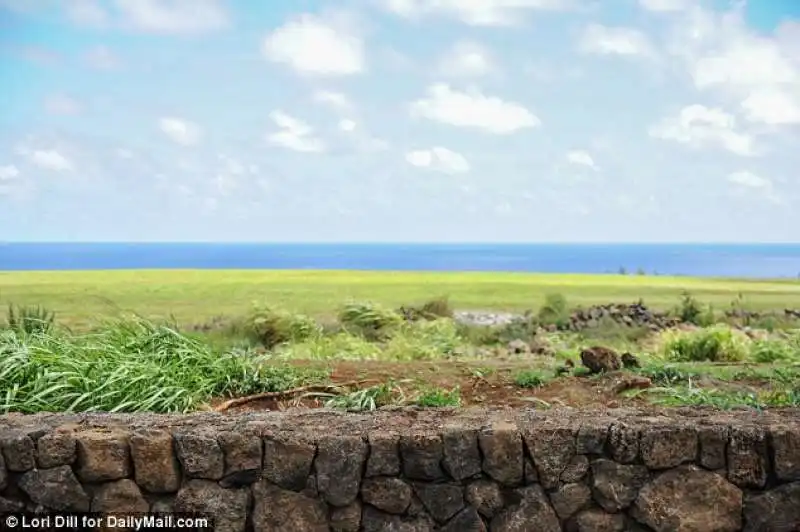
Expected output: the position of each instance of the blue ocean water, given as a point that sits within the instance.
(724, 260)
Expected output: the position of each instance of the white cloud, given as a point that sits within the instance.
(466, 59)
(723, 55)
(772, 106)
(102, 58)
(475, 12)
(472, 109)
(337, 100)
(180, 131)
(295, 134)
(313, 46)
(347, 125)
(174, 17)
(439, 159)
(87, 13)
(581, 158)
(604, 40)
(667, 5)
(49, 160)
(700, 127)
(749, 179)
(60, 104)
(8, 172)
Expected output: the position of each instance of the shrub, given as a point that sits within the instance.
(715, 344)
(271, 327)
(691, 311)
(30, 319)
(768, 351)
(429, 340)
(430, 310)
(554, 311)
(369, 320)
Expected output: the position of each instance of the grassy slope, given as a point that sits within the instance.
(196, 295)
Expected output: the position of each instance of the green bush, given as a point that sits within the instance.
(369, 320)
(715, 344)
(691, 311)
(554, 311)
(272, 327)
(768, 351)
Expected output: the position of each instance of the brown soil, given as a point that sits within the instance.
(485, 385)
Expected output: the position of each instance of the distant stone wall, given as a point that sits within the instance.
(417, 470)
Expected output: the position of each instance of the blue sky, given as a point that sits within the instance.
(400, 120)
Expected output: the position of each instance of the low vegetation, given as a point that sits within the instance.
(369, 355)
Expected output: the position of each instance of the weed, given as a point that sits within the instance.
(366, 399)
(531, 379)
(668, 375)
(438, 397)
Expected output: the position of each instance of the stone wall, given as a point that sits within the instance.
(416, 470)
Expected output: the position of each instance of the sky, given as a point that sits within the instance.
(400, 120)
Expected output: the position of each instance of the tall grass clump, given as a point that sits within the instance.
(554, 311)
(272, 327)
(369, 320)
(714, 344)
(30, 319)
(423, 340)
(126, 366)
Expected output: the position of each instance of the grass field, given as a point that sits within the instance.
(367, 352)
(193, 296)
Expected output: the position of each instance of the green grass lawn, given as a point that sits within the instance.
(191, 296)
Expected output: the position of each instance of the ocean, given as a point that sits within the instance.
(714, 260)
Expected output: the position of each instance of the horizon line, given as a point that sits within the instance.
(399, 243)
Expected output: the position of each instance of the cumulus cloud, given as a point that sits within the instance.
(472, 109)
(48, 159)
(475, 13)
(466, 59)
(313, 46)
(666, 6)
(604, 40)
(174, 17)
(294, 134)
(438, 159)
(581, 158)
(749, 179)
(702, 127)
(8, 172)
(724, 56)
(336, 100)
(180, 131)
